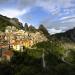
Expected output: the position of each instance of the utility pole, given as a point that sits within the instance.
(43, 60)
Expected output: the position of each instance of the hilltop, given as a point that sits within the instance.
(5, 21)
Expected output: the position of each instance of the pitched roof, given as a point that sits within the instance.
(7, 52)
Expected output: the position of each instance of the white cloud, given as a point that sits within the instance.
(49, 5)
(13, 12)
(72, 20)
(67, 17)
(52, 6)
(21, 4)
(62, 24)
(53, 31)
(65, 3)
(3, 1)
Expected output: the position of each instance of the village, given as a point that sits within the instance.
(17, 40)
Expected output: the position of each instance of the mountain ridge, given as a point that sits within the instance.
(5, 21)
(69, 35)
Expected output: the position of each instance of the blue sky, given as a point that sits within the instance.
(56, 15)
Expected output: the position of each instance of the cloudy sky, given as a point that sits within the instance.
(56, 15)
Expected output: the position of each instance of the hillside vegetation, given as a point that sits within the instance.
(5, 21)
(56, 56)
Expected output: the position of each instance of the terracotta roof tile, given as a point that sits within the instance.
(8, 52)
